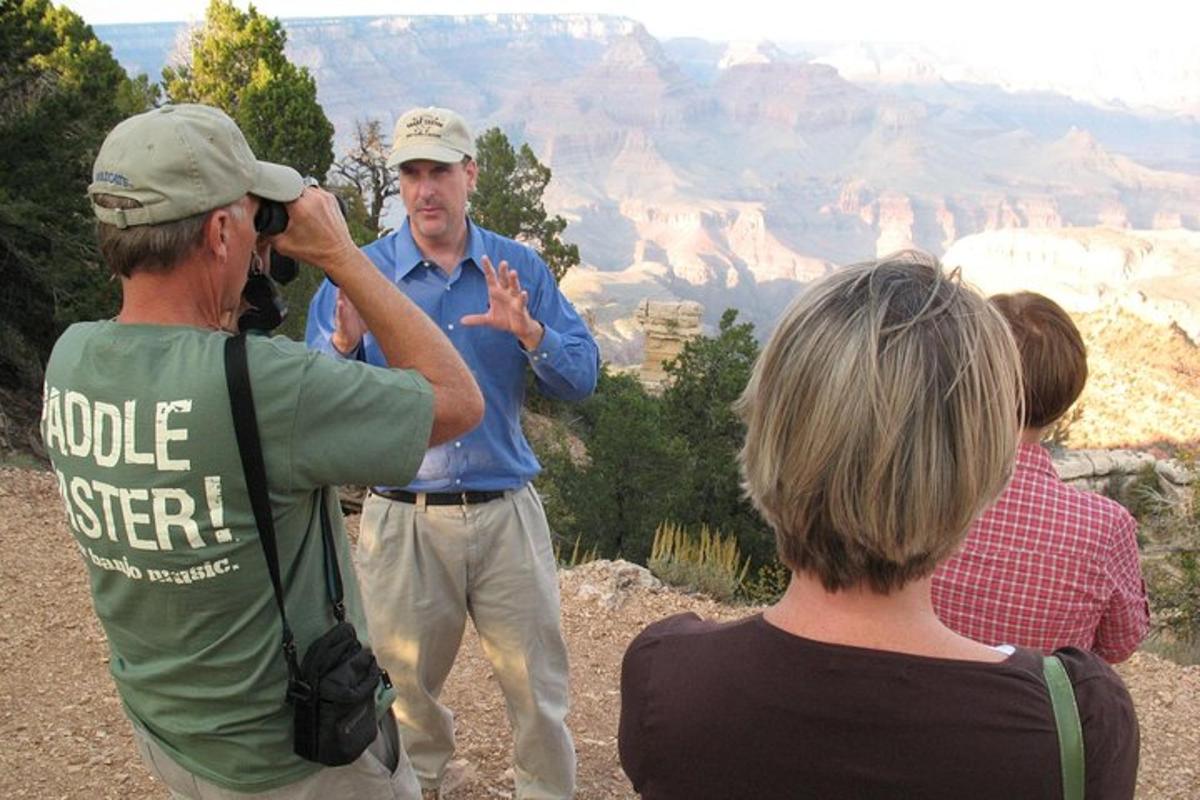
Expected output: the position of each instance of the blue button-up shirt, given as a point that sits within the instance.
(494, 455)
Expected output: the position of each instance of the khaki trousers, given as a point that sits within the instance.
(380, 773)
(423, 570)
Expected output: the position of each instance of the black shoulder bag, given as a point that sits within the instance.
(333, 689)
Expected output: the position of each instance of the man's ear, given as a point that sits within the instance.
(472, 170)
(217, 232)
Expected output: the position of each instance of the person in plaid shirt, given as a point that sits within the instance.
(1047, 566)
(881, 418)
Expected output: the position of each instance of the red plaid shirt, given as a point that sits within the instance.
(1046, 567)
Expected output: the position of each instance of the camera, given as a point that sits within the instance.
(271, 219)
(267, 306)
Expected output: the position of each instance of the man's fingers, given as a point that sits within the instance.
(506, 276)
(474, 319)
(489, 272)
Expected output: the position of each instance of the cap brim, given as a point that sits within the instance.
(277, 182)
(426, 152)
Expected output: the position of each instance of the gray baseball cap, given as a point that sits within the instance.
(431, 134)
(182, 160)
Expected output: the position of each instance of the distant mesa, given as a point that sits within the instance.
(751, 52)
(733, 174)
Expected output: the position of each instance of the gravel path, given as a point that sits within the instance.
(65, 737)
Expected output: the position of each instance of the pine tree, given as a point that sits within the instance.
(632, 478)
(705, 381)
(237, 63)
(61, 91)
(508, 200)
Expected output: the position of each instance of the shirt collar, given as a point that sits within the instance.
(475, 251)
(408, 255)
(1036, 458)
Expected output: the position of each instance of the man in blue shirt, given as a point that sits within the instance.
(469, 535)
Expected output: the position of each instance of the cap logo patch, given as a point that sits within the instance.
(424, 125)
(114, 178)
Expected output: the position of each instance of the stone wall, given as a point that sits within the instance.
(1106, 470)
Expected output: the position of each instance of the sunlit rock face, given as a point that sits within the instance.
(732, 174)
(1153, 275)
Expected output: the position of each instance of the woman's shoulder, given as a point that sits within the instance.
(688, 633)
(1100, 694)
(689, 625)
(1087, 668)
(1110, 726)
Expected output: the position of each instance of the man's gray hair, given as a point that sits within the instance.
(154, 248)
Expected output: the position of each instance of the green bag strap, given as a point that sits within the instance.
(1066, 719)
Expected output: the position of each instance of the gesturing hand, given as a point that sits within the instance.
(348, 326)
(507, 306)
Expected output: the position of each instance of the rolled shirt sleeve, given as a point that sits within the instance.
(567, 361)
(1126, 618)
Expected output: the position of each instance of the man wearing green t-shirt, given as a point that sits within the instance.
(137, 421)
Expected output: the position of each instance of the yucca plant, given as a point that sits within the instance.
(708, 563)
(578, 556)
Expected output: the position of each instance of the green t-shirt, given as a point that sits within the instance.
(137, 422)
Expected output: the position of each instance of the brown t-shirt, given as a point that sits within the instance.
(746, 710)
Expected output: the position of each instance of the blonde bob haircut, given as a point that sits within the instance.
(882, 417)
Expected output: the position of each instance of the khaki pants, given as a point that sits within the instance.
(423, 570)
(380, 773)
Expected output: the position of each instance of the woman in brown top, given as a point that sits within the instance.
(882, 417)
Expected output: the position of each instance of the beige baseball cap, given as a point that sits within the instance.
(431, 134)
(182, 160)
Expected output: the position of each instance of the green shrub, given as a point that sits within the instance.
(1173, 583)
(627, 480)
(767, 585)
(1141, 495)
(1171, 565)
(707, 377)
(710, 563)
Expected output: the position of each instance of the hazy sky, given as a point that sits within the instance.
(1061, 23)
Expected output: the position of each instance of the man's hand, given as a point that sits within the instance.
(507, 306)
(348, 326)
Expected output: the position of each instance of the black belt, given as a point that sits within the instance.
(439, 498)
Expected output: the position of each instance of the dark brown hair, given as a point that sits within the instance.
(1053, 357)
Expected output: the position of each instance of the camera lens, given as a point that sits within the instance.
(271, 218)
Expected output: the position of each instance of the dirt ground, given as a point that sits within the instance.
(1143, 386)
(64, 735)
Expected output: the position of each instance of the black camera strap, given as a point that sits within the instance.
(245, 425)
